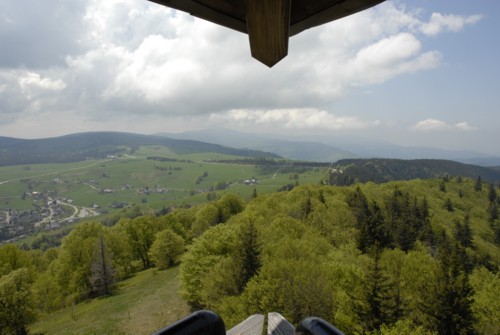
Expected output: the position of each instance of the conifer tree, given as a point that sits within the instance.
(449, 304)
(492, 193)
(248, 252)
(373, 232)
(377, 308)
(102, 273)
(478, 186)
(463, 232)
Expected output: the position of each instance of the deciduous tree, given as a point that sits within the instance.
(166, 249)
(16, 302)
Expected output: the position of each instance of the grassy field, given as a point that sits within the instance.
(127, 178)
(143, 304)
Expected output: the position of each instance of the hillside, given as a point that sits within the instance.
(41, 197)
(142, 304)
(383, 170)
(352, 255)
(94, 145)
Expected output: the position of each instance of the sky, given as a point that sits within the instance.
(409, 72)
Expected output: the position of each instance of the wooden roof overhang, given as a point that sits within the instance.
(269, 23)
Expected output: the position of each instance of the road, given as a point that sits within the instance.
(78, 212)
(56, 172)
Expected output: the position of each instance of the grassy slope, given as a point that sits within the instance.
(82, 181)
(149, 301)
(143, 304)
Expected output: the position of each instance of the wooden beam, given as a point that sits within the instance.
(278, 325)
(253, 325)
(206, 13)
(336, 11)
(268, 24)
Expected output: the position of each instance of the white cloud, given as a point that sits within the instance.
(464, 126)
(437, 125)
(389, 57)
(439, 23)
(32, 80)
(296, 118)
(135, 59)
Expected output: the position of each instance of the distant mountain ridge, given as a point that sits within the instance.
(81, 146)
(383, 170)
(296, 150)
(330, 147)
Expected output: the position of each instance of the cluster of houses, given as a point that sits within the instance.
(18, 223)
(251, 181)
(144, 190)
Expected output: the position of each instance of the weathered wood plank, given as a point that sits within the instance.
(253, 325)
(268, 24)
(278, 325)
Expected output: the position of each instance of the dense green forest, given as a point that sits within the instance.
(412, 257)
(381, 170)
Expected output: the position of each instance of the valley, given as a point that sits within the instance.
(43, 197)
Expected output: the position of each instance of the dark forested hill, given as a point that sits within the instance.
(383, 170)
(77, 147)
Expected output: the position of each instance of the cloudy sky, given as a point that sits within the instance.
(410, 72)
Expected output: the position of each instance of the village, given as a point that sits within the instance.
(48, 213)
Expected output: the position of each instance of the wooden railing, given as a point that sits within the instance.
(208, 323)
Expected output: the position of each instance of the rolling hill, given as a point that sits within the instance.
(383, 170)
(92, 145)
(328, 147)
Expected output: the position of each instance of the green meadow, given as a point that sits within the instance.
(142, 304)
(135, 179)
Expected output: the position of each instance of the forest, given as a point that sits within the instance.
(407, 257)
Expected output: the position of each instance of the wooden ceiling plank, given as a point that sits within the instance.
(268, 26)
(206, 13)
(334, 12)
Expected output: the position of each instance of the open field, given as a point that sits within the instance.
(137, 179)
(142, 304)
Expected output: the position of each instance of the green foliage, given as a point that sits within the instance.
(102, 272)
(12, 258)
(85, 268)
(404, 327)
(166, 249)
(478, 186)
(376, 308)
(206, 217)
(463, 232)
(144, 303)
(200, 263)
(370, 258)
(492, 193)
(383, 170)
(140, 233)
(230, 204)
(402, 265)
(16, 302)
(248, 251)
(449, 303)
(217, 212)
(48, 291)
(486, 305)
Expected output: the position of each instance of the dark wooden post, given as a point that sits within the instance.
(268, 26)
